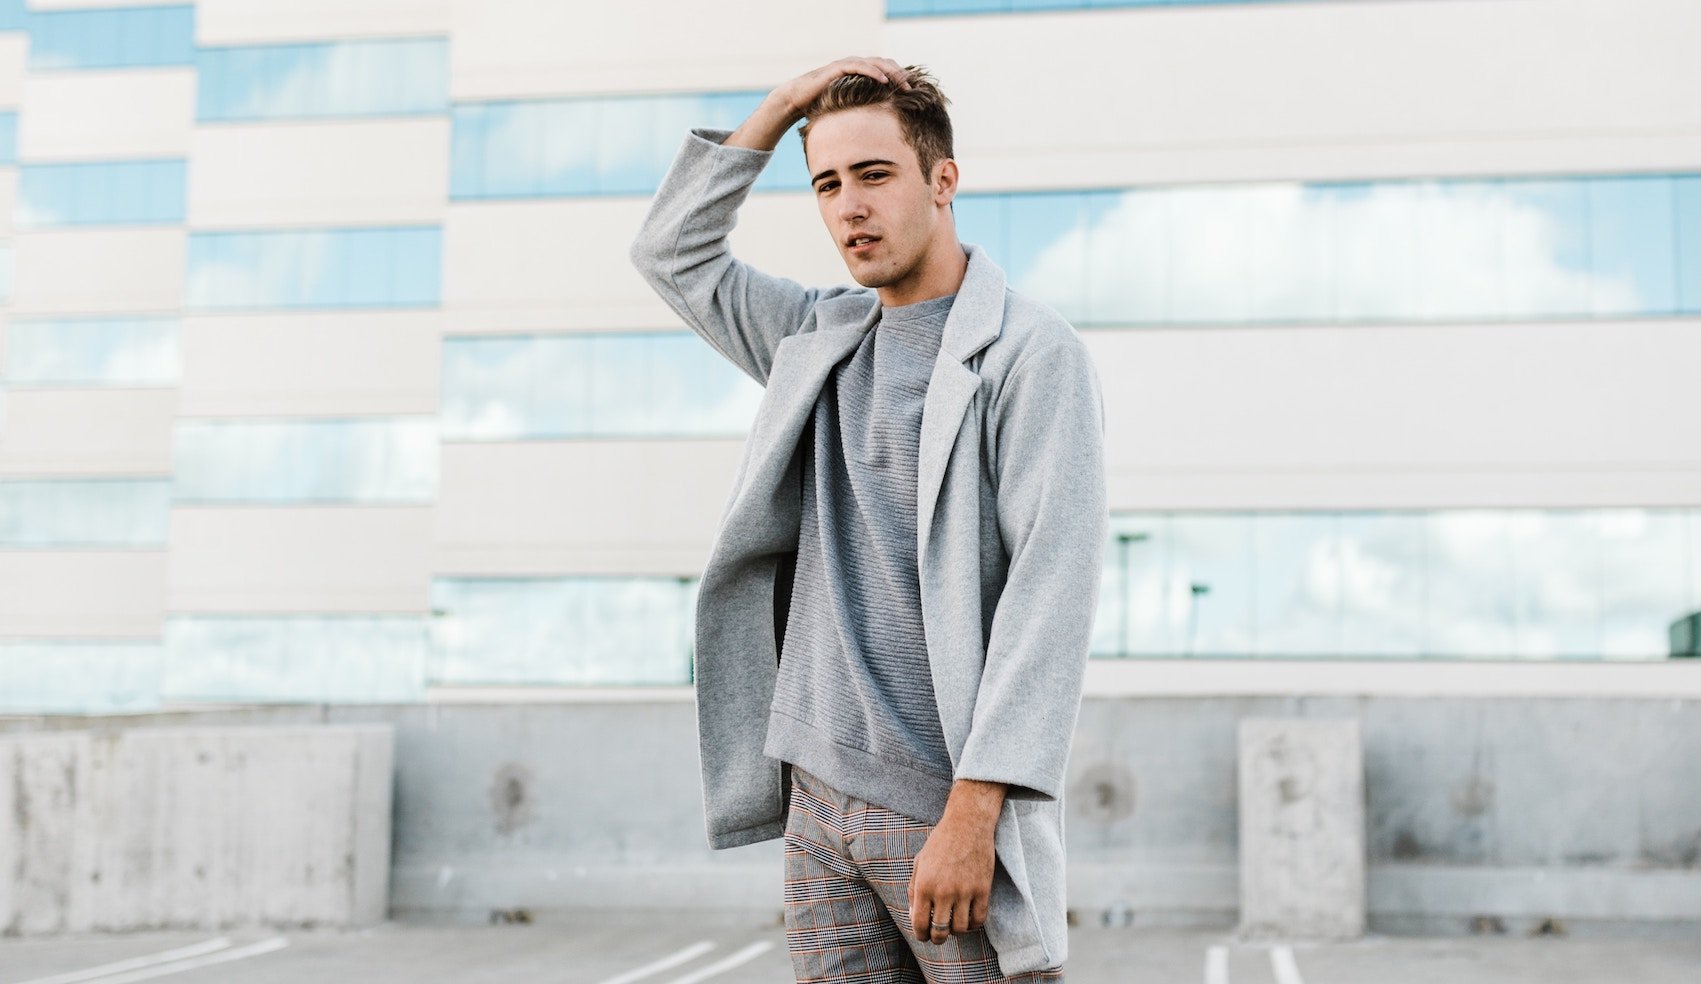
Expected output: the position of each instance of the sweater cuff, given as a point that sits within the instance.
(716, 136)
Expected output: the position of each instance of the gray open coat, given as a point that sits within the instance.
(1011, 526)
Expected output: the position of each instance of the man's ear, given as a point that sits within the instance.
(944, 181)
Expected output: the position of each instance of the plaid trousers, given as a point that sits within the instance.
(848, 865)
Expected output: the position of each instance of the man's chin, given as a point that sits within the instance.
(869, 278)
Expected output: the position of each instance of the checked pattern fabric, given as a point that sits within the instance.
(848, 865)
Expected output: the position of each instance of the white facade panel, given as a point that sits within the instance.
(14, 56)
(785, 235)
(300, 558)
(348, 172)
(54, 431)
(1292, 90)
(107, 114)
(1149, 678)
(318, 363)
(1421, 416)
(536, 264)
(514, 263)
(534, 47)
(82, 594)
(8, 198)
(582, 507)
(99, 270)
(219, 22)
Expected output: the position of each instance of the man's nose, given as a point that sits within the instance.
(851, 206)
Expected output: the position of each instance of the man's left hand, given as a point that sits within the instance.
(952, 879)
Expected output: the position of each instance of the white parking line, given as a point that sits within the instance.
(1282, 962)
(1216, 965)
(743, 956)
(252, 950)
(164, 956)
(671, 960)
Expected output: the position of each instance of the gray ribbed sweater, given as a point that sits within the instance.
(853, 702)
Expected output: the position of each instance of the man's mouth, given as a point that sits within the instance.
(861, 244)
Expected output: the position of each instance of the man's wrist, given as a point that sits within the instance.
(767, 126)
(976, 802)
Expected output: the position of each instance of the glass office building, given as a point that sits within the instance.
(324, 375)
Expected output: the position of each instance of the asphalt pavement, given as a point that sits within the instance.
(686, 948)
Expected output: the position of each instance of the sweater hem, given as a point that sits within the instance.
(893, 783)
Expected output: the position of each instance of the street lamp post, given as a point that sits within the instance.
(1122, 542)
(1196, 589)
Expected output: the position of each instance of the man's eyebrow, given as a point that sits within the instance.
(857, 166)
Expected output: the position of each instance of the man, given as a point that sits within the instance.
(894, 622)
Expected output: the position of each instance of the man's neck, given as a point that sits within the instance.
(937, 280)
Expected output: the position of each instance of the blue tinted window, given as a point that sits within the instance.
(342, 78)
(103, 192)
(1501, 249)
(123, 37)
(13, 16)
(1600, 584)
(84, 512)
(349, 460)
(9, 137)
(1459, 266)
(1047, 249)
(592, 384)
(132, 351)
(1632, 226)
(1544, 227)
(939, 8)
(1437, 584)
(333, 658)
(79, 676)
(329, 268)
(563, 630)
(604, 145)
(1686, 196)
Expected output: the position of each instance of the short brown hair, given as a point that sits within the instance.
(920, 110)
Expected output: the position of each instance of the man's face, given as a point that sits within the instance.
(868, 184)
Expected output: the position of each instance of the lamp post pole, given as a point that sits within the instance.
(1196, 590)
(1122, 542)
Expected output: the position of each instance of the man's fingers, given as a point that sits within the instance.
(960, 916)
(873, 66)
(942, 913)
(977, 913)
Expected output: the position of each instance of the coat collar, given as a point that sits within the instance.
(842, 321)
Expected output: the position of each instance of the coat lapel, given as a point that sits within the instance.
(977, 316)
(802, 362)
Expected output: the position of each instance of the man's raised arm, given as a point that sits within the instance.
(681, 248)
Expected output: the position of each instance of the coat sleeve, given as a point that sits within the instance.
(681, 250)
(1052, 518)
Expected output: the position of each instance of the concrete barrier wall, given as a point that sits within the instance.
(1301, 829)
(136, 827)
(1586, 811)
